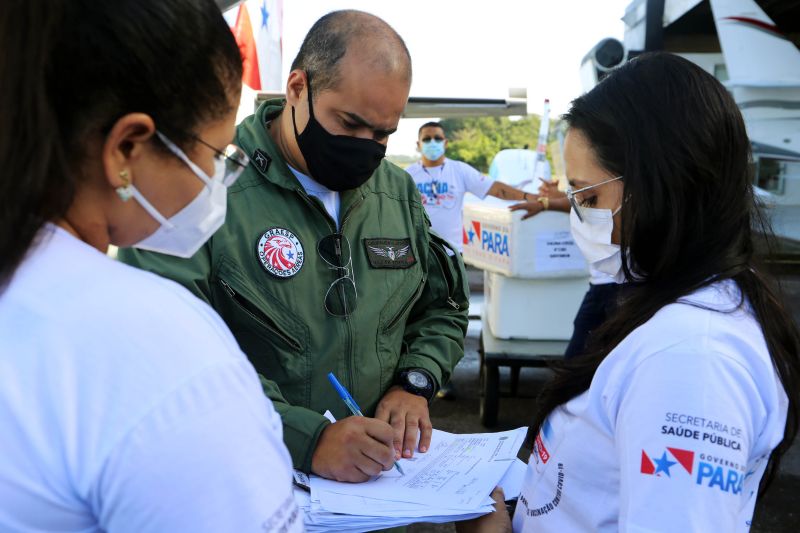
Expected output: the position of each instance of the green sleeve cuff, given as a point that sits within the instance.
(301, 427)
(301, 431)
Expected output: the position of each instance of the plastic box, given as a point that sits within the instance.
(532, 309)
(498, 240)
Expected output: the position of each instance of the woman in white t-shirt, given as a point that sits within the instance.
(125, 403)
(677, 417)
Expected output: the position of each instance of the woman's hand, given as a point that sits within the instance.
(496, 522)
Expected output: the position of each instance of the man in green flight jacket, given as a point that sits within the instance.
(326, 262)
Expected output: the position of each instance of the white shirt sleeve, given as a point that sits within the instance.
(685, 424)
(208, 458)
(475, 182)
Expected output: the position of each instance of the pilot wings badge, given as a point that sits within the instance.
(390, 253)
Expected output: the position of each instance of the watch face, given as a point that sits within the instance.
(417, 379)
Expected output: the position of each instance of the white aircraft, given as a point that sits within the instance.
(738, 43)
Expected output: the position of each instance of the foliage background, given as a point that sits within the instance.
(476, 140)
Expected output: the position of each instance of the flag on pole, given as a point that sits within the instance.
(258, 29)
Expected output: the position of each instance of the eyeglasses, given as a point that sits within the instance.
(576, 202)
(341, 296)
(436, 138)
(235, 160)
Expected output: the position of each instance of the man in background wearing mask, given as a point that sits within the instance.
(326, 263)
(443, 182)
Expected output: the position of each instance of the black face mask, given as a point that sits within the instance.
(338, 162)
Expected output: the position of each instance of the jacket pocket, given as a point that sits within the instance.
(405, 308)
(268, 331)
(456, 291)
(259, 317)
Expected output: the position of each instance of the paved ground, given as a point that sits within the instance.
(778, 512)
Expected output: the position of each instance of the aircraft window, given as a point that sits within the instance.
(771, 175)
(721, 72)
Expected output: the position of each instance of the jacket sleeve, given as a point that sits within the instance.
(301, 427)
(436, 328)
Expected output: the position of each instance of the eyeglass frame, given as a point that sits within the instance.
(346, 267)
(575, 204)
(235, 152)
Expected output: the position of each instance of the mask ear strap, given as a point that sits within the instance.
(310, 106)
(149, 207)
(183, 157)
(617, 210)
(310, 96)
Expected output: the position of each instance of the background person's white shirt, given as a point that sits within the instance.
(442, 189)
(127, 406)
(673, 434)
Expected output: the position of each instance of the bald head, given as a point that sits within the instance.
(361, 37)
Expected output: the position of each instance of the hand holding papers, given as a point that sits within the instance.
(451, 482)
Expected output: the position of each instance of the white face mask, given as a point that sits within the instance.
(593, 237)
(187, 230)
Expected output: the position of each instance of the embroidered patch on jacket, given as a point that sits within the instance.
(390, 253)
(261, 160)
(280, 252)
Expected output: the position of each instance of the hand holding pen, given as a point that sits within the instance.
(351, 404)
(354, 449)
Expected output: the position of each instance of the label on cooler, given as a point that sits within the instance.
(557, 251)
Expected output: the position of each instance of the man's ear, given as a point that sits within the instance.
(296, 87)
(124, 145)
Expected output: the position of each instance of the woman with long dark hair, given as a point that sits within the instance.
(125, 403)
(688, 396)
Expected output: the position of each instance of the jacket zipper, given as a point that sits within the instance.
(349, 333)
(414, 297)
(450, 291)
(260, 317)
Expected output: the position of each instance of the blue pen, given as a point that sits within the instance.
(351, 404)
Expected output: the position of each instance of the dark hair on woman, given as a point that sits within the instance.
(678, 138)
(70, 68)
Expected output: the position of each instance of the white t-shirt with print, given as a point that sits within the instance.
(673, 434)
(127, 406)
(442, 189)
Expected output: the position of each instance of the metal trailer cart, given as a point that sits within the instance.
(515, 354)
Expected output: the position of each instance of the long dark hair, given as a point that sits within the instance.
(679, 140)
(70, 68)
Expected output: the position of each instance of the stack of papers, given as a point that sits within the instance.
(452, 481)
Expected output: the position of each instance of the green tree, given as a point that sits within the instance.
(476, 140)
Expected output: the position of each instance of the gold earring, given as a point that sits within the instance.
(125, 191)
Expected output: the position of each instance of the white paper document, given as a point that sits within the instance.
(453, 474)
(512, 480)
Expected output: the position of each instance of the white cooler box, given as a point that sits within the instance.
(532, 309)
(498, 240)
